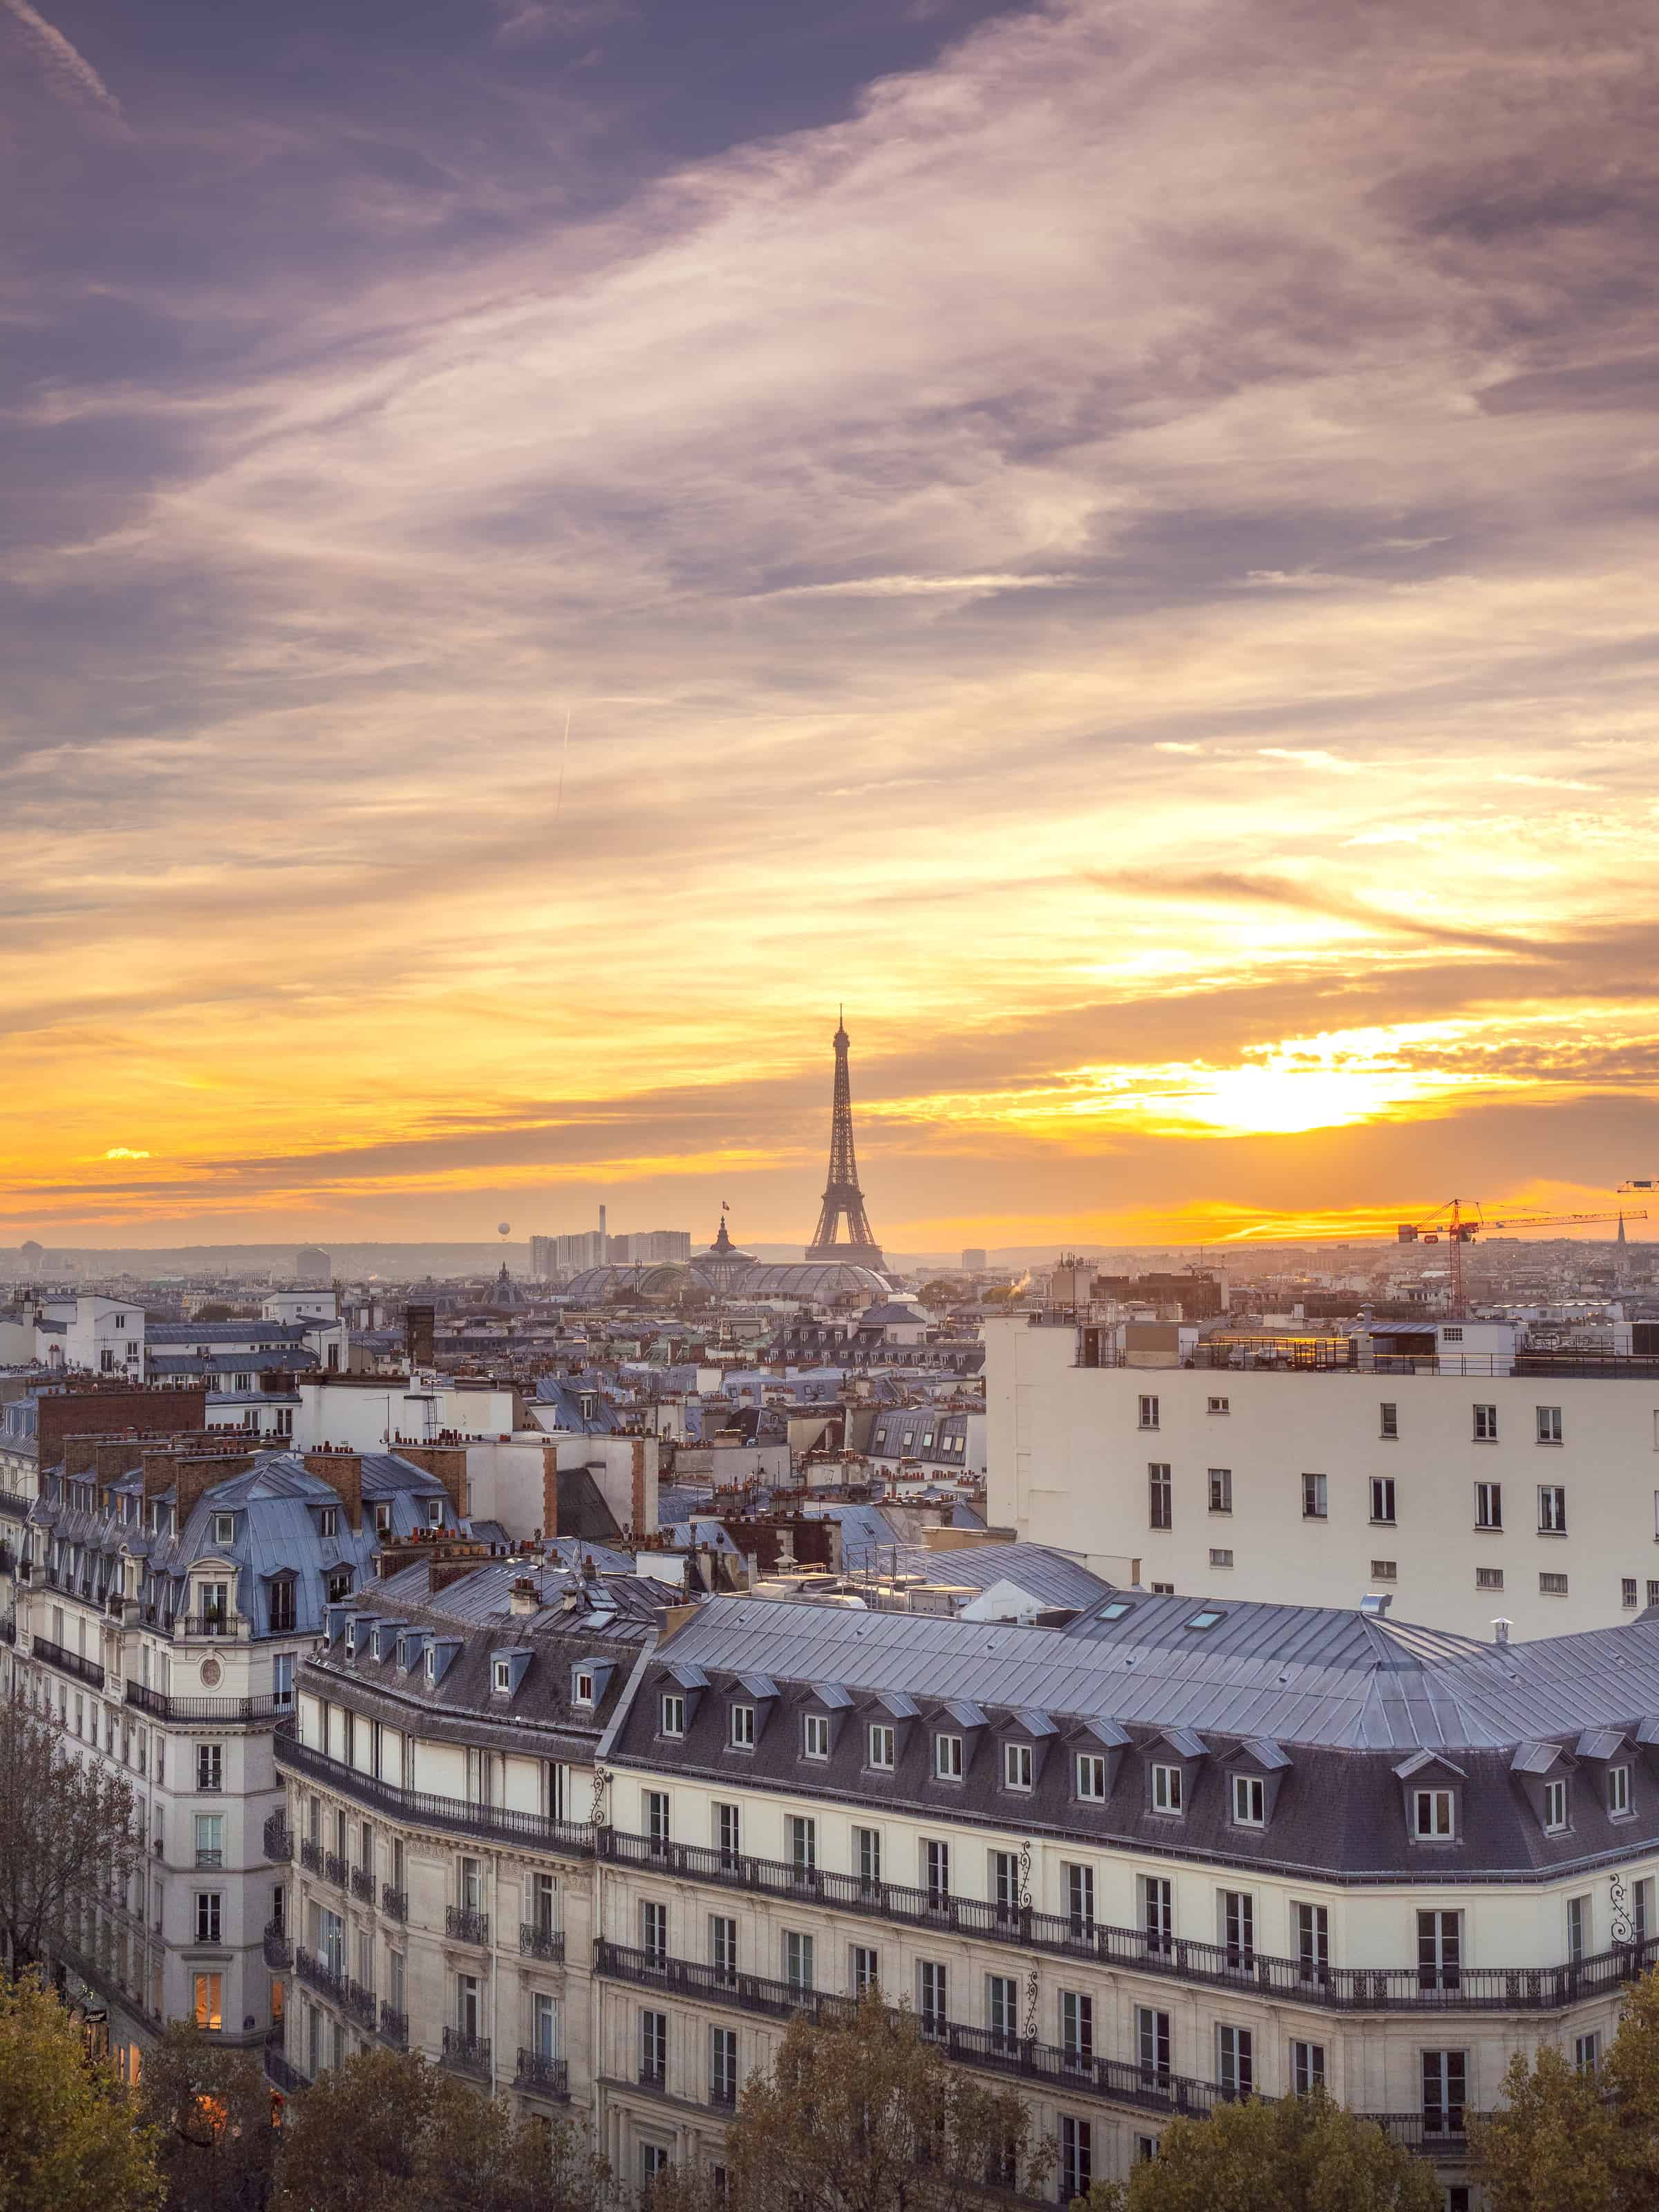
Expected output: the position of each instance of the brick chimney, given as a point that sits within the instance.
(343, 1471)
(550, 1487)
(448, 1463)
(195, 1472)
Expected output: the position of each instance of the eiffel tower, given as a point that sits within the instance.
(841, 1195)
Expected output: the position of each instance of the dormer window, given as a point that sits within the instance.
(882, 1747)
(1618, 1792)
(1091, 1777)
(1017, 1766)
(224, 1527)
(431, 1663)
(582, 1687)
(1431, 1815)
(434, 1512)
(1166, 1789)
(328, 1521)
(816, 1735)
(351, 1638)
(383, 1520)
(339, 1586)
(743, 1728)
(1249, 1802)
(673, 1714)
(1555, 1807)
(947, 1757)
(500, 1676)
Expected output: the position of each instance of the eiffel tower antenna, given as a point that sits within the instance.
(843, 1199)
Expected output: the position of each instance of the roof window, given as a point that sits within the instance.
(1208, 1619)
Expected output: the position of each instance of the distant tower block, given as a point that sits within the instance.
(843, 1199)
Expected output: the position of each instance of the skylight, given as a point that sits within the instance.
(1115, 1611)
(1205, 1620)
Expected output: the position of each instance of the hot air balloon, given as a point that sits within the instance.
(504, 1228)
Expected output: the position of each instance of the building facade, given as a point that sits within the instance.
(1505, 1493)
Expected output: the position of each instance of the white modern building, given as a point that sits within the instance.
(1476, 1488)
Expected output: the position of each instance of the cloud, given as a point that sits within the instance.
(124, 1152)
(70, 74)
(905, 587)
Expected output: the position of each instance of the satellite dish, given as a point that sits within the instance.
(504, 1228)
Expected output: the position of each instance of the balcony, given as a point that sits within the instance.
(463, 1923)
(394, 1902)
(279, 1952)
(1440, 2136)
(422, 1808)
(362, 1883)
(212, 1712)
(279, 1844)
(311, 1857)
(68, 1662)
(468, 2054)
(359, 2003)
(537, 1943)
(335, 1868)
(318, 1973)
(539, 2076)
(393, 2027)
(279, 2071)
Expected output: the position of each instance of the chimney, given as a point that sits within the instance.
(195, 1472)
(343, 1471)
(420, 1323)
(116, 1456)
(448, 1463)
(523, 1597)
(80, 1454)
(1500, 1630)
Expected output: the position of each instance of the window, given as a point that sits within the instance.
(210, 1766)
(207, 1915)
(544, 2026)
(1002, 2010)
(1555, 1807)
(1587, 2051)
(1218, 1406)
(933, 1996)
(1004, 1882)
(1312, 1923)
(863, 1970)
(1618, 1791)
(1628, 1591)
(215, 1608)
(1489, 1578)
(1642, 1921)
(1249, 1802)
(1552, 1585)
(1653, 1592)
(743, 1728)
(1485, 1421)
(224, 1527)
(816, 1743)
(1549, 1425)
(1578, 1930)
(655, 2158)
(1439, 1950)
(1313, 1497)
(947, 1757)
(936, 1870)
(654, 2048)
(728, 1832)
(1017, 1766)
(882, 1747)
(1551, 1510)
(1433, 1814)
(1077, 2157)
(1079, 1896)
(1237, 1916)
(802, 1843)
(867, 1853)
(500, 1675)
(1235, 2061)
(1077, 2025)
(469, 1885)
(799, 1959)
(208, 2003)
(209, 1839)
(1488, 1504)
(1307, 2067)
(654, 1805)
(1148, 1413)
(1220, 1559)
(1221, 1490)
(723, 1945)
(543, 1902)
(1382, 1498)
(1390, 1419)
(281, 1606)
(338, 1589)
(1166, 1789)
(1446, 2073)
(1091, 1777)
(1385, 1570)
(654, 1929)
(581, 1689)
(328, 1521)
(1161, 1505)
(1159, 1589)
(1157, 1912)
(673, 1715)
(722, 2066)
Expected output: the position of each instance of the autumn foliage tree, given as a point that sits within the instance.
(866, 2117)
(67, 1833)
(1305, 2154)
(1563, 2141)
(69, 2140)
(210, 2107)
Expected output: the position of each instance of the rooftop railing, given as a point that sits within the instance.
(214, 1712)
(68, 1662)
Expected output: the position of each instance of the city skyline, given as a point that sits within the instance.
(1115, 542)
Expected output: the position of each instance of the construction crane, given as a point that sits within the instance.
(1459, 1229)
(1640, 1182)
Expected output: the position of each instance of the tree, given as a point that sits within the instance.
(939, 1297)
(867, 2116)
(1306, 2155)
(68, 2137)
(389, 2132)
(209, 2107)
(1569, 2142)
(67, 1833)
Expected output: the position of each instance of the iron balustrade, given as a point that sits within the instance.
(282, 2072)
(279, 1843)
(279, 1952)
(1341, 1989)
(470, 2053)
(394, 1902)
(1429, 2133)
(362, 1883)
(464, 1924)
(320, 1973)
(68, 1662)
(359, 2003)
(394, 2027)
(214, 1712)
(542, 2075)
(536, 1943)
(335, 1869)
(311, 1857)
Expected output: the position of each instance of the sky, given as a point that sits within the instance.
(548, 544)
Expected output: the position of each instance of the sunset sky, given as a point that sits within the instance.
(1117, 540)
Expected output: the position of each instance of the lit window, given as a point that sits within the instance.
(208, 2005)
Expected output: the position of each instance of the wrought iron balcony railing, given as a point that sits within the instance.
(542, 2075)
(463, 1923)
(537, 1943)
(470, 2053)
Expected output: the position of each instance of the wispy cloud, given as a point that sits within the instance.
(69, 72)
